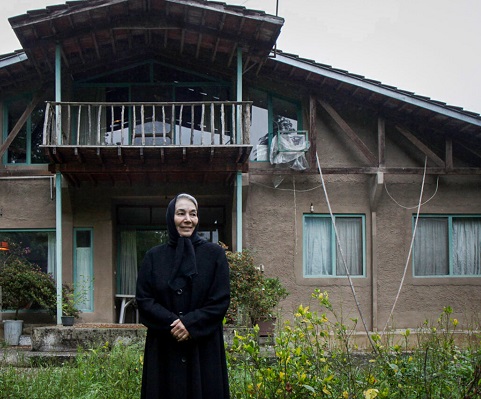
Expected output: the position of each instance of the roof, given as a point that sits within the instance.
(103, 33)
(96, 31)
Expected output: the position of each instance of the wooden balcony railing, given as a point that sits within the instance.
(147, 124)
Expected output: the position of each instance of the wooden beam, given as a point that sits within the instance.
(99, 155)
(449, 153)
(312, 129)
(21, 121)
(78, 155)
(376, 190)
(469, 149)
(381, 141)
(373, 170)
(421, 146)
(349, 131)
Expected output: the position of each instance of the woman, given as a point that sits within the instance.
(183, 295)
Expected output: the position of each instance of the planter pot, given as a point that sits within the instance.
(12, 329)
(68, 320)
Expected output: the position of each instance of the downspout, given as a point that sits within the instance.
(238, 139)
(58, 187)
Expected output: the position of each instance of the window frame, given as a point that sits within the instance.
(270, 98)
(450, 248)
(333, 245)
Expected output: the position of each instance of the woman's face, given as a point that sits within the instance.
(185, 217)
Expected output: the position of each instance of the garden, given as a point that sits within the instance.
(312, 354)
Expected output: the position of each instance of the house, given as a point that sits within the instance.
(112, 107)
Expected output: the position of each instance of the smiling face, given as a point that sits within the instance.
(185, 217)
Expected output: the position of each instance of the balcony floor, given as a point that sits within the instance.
(148, 164)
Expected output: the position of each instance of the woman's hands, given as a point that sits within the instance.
(179, 332)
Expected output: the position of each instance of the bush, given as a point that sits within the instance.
(24, 284)
(253, 296)
(313, 356)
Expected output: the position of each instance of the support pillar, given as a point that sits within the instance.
(239, 173)
(58, 245)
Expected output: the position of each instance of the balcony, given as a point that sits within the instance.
(138, 142)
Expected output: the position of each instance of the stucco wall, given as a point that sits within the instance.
(273, 229)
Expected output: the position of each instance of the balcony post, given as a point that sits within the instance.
(58, 244)
(238, 142)
(58, 93)
(238, 139)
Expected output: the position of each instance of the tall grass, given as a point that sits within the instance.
(103, 373)
(310, 357)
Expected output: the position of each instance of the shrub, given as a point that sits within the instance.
(24, 284)
(253, 296)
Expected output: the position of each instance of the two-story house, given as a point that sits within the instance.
(330, 179)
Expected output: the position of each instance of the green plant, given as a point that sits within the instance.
(23, 284)
(253, 296)
(70, 302)
(266, 298)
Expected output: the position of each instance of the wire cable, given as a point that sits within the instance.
(413, 207)
(353, 290)
(410, 247)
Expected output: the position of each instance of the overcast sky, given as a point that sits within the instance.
(430, 47)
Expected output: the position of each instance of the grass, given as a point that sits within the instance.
(311, 357)
(107, 373)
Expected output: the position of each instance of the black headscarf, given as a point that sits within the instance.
(185, 266)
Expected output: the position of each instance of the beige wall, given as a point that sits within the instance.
(273, 230)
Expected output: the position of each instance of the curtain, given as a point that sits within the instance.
(83, 277)
(318, 246)
(430, 251)
(350, 239)
(128, 263)
(51, 255)
(466, 246)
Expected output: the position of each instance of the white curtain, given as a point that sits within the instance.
(466, 246)
(128, 263)
(430, 251)
(51, 254)
(350, 239)
(83, 278)
(318, 246)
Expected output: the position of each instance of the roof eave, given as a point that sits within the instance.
(378, 88)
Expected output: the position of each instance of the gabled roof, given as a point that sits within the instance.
(98, 35)
(102, 32)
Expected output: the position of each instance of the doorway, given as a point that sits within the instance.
(143, 227)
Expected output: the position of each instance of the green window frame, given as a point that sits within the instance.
(266, 108)
(321, 255)
(83, 268)
(447, 246)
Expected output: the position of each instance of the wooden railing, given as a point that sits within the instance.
(147, 124)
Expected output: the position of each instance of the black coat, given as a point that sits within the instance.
(194, 369)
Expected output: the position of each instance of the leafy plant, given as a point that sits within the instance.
(70, 302)
(23, 284)
(253, 296)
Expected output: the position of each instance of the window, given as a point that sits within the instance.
(83, 269)
(38, 246)
(322, 256)
(25, 148)
(447, 246)
(270, 115)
